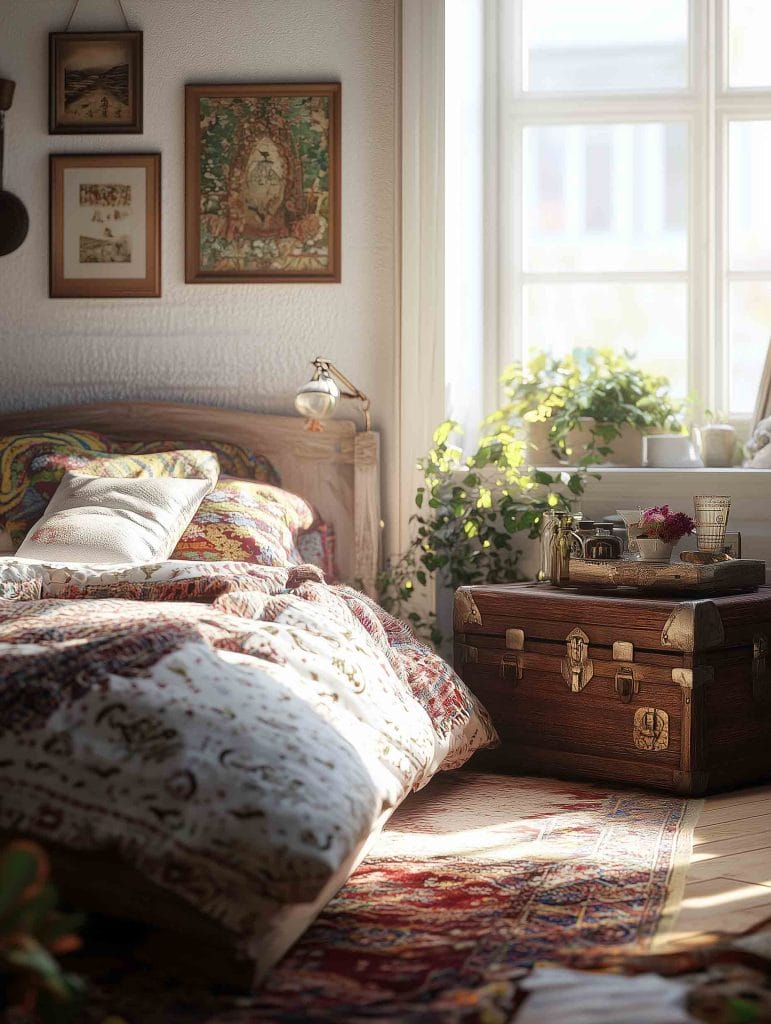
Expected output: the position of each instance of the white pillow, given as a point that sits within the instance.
(104, 520)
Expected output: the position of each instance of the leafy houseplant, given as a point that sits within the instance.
(468, 511)
(32, 934)
(469, 508)
(589, 405)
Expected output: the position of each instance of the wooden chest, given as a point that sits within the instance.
(659, 692)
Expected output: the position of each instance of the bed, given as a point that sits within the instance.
(211, 747)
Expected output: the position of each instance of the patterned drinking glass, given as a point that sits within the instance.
(711, 518)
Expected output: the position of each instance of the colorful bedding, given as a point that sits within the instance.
(33, 464)
(231, 730)
(246, 521)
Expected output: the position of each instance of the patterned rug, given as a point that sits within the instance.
(476, 878)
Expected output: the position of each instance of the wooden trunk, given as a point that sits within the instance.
(659, 692)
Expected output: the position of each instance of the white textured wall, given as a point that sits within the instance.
(244, 346)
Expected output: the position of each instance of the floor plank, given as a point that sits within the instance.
(722, 905)
(728, 829)
(740, 796)
(743, 842)
(728, 884)
(752, 866)
(740, 809)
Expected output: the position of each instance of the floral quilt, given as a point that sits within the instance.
(231, 730)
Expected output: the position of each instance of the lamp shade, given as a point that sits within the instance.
(317, 399)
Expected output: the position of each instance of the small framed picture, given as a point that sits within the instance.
(262, 183)
(95, 83)
(105, 226)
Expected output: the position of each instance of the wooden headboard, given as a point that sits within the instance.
(337, 469)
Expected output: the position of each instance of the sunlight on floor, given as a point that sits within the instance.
(725, 898)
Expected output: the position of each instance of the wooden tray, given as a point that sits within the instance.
(669, 577)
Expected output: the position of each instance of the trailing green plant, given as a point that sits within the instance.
(470, 508)
(468, 512)
(596, 384)
(32, 934)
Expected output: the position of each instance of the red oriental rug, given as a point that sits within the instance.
(475, 878)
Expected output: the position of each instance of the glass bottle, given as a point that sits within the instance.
(585, 529)
(550, 522)
(562, 544)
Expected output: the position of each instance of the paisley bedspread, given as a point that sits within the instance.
(231, 730)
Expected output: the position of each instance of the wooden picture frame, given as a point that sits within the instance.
(95, 83)
(105, 225)
(265, 207)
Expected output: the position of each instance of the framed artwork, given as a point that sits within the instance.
(105, 226)
(95, 83)
(262, 183)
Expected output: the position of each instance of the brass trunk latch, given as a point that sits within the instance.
(577, 668)
(626, 684)
(510, 667)
(760, 675)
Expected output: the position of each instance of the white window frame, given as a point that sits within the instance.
(706, 106)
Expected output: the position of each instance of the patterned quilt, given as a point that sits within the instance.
(231, 730)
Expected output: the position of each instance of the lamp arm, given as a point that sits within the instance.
(347, 388)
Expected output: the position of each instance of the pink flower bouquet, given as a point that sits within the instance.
(660, 524)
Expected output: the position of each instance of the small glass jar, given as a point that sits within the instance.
(585, 529)
(603, 545)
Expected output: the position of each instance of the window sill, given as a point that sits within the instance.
(648, 484)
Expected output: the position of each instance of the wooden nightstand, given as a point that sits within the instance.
(657, 692)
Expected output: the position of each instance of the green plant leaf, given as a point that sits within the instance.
(20, 866)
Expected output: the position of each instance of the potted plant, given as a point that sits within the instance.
(593, 405)
(659, 530)
(469, 509)
(33, 934)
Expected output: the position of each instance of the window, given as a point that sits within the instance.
(630, 156)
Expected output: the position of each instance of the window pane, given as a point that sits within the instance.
(749, 329)
(749, 195)
(605, 197)
(647, 319)
(604, 45)
(749, 27)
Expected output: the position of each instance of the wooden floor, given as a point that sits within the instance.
(728, 885)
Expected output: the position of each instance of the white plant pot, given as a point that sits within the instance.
(626, 448)
(654, 550)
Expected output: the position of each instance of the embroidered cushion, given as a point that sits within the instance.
(246, 521)
(114, 521)
(45, 470)
(234, 459)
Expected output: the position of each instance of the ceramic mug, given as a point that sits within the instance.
(670, 451)
(717, 444)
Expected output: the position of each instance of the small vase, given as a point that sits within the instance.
(654, 550)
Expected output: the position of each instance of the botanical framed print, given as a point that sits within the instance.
(95, 83)
(262, 183)
(105, 226)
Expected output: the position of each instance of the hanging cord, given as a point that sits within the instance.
(75, 7)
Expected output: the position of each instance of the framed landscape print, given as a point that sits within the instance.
(262, 183)
(105, 226)
(95, 83)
